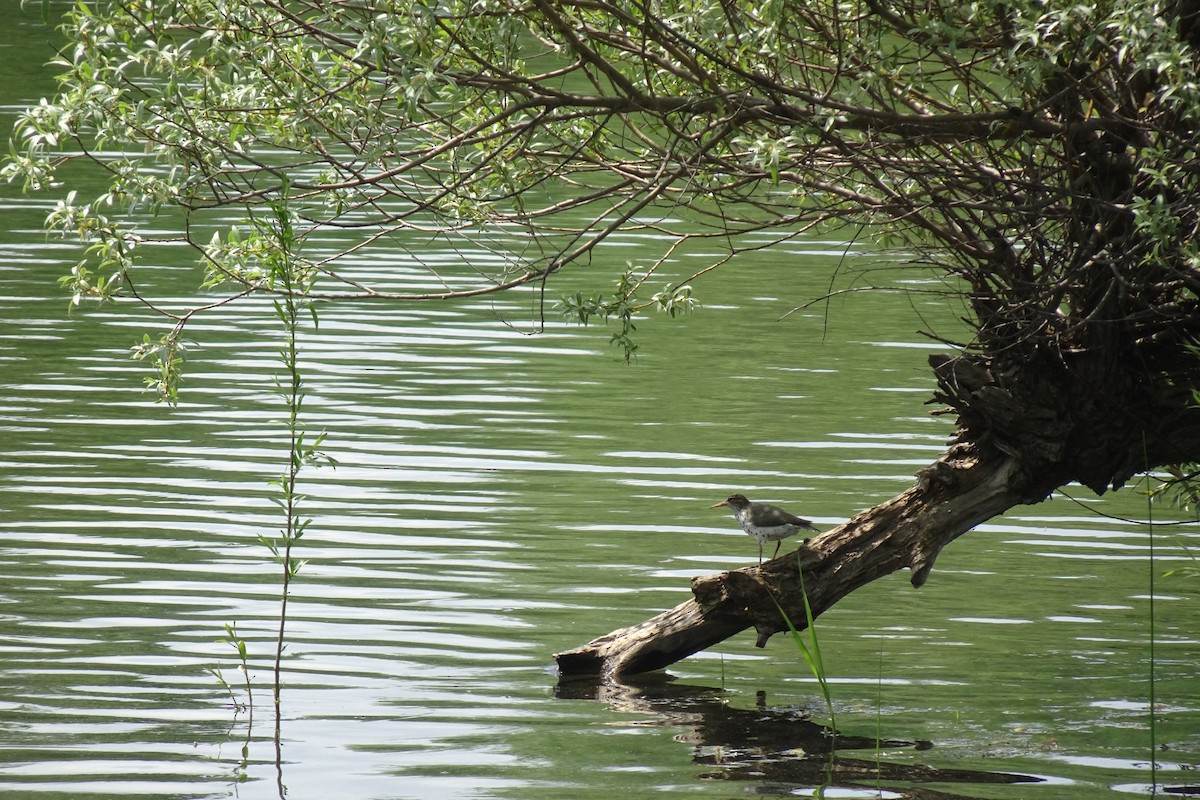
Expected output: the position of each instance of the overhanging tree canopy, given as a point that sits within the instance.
(1041, 154)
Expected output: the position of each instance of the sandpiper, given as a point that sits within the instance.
(765, 522)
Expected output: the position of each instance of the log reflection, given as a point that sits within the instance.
(779, 745)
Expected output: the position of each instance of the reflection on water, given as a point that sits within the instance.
(783, 746)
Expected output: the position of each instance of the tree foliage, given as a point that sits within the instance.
(1041, 153)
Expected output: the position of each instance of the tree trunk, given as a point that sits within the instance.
(953, 495)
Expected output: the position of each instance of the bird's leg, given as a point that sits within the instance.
(760, 552)
(777, 546)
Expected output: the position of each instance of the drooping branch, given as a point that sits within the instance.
(952, 496)
(1010, 145)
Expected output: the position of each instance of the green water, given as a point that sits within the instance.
(501, 496)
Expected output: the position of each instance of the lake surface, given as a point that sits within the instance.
(501, 496)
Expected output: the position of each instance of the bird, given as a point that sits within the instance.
(765, 522)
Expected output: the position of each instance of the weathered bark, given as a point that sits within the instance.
(953, 495)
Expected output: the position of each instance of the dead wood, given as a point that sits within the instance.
(950, 497)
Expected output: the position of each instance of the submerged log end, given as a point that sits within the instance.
(593, 663)
(580, 664)
(656, 643)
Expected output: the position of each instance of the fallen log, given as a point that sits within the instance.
(951, 496)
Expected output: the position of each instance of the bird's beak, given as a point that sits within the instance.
(718, 505)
